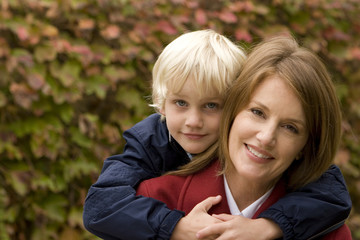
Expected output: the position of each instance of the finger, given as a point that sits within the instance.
(223, 217)
(212, 230)
(208, 203)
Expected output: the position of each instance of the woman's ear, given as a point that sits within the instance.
(299, 156)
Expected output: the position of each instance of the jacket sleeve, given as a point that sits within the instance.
(113, 211)
(313, 210)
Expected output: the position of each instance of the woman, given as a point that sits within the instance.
(280, 130)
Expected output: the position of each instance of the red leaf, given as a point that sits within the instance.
(23, 95)
(86, 24)
(36, 81)
(182, 2)
(111, 32)
(22, 33)
(4, 48)
(335, 34)
(241, 6)
(200, 17)
(49, 31)
(242, 34)
(61, 45)
(3, 102)
(228, 17)
(86, 54)
(355, 53)
(166, 27)
(142, 30)
(342, 157)
(83, 50)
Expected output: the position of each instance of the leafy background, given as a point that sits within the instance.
(74, 74)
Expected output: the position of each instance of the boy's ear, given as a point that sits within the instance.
(162, 111)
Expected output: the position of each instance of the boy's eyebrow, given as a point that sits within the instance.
(211, 98)
(176, 95)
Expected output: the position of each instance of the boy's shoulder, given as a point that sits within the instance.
(152, 120)
(152, 135)
(150, 125)
(152, 130)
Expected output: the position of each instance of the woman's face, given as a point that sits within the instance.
(269, 133)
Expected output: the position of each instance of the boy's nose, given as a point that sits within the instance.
(194, 119)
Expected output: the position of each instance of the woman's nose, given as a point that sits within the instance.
(267, 135)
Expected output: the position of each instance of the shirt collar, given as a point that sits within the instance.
(249, 211)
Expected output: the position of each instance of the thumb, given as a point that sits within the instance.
(206, 204)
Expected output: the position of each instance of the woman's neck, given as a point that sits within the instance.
(246, 191)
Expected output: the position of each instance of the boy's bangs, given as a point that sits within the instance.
(209, 88)
(205, 87)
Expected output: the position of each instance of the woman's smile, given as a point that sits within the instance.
(258, 154)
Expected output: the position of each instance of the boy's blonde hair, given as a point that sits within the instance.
(209, 58)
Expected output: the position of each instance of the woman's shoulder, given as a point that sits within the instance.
(342, 233)
(165, 188)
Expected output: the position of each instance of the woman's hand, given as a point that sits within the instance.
(239, 227)
(196, 220)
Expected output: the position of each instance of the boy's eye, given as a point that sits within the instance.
(180, 103)
(211, 105)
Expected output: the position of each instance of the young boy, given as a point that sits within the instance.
(190, 79)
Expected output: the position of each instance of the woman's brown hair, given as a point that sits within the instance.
(304, 72)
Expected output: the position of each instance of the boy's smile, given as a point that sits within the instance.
(193, 120)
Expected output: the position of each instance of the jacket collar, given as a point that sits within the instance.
(208, 183)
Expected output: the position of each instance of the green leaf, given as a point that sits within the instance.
(132, 99)
(75, 218)
(67, 73)
(43, 182)
(98, 85)
(78, 168)
(66, 112)
(338, 49)
(45, 53)
(62, 94)
(11, 214)
(12, 151)
(116, 74)
(18, 180)
(79, 138)
(103, 53)
(342, 91)
(54, 206)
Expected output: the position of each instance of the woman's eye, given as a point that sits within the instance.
(291, 128)
(257, 112)
(180, 103)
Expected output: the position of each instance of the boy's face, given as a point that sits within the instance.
(193, 121)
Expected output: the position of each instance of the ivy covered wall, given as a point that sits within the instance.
(74, 74)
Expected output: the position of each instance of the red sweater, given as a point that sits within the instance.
(183, 193)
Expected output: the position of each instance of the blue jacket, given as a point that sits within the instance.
(113, 211)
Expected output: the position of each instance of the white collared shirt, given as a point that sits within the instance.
(249, 211)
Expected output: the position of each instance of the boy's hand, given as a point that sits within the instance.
(196, 220)
(239, 227)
